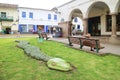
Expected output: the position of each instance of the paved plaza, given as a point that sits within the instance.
(109, 48)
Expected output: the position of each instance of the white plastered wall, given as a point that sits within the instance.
(84, 7)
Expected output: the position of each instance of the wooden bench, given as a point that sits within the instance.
(94, 44)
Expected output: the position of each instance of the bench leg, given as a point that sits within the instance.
(81, 46)
(70, 44)
(97, 49)
(92, 49)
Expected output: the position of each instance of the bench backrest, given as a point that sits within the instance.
(74, 40)
(85, 41)
(90, 42)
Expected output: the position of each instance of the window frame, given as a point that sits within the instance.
(31, 15)
(23, 14)
(3, 14)
(49, 16)
(55, 17)
(75, 19)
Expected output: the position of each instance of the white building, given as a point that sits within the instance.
(32, 18)
(99, 17)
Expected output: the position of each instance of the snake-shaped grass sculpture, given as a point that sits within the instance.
(35, 52)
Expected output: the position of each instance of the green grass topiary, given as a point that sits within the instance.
(35, 52)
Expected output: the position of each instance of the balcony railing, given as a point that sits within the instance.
(8, 18)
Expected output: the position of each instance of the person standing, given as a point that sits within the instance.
(18, 34)
(39, 32)
(74, 32)
(88, 35)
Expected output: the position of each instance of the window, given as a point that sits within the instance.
(3, 14)
(49, 16)
(31, 15)
(118, 22)
(22, 28)
(30, 28)
(55, 17)
(75, 20)
(78, 26)
(24, 14)
(62, 20)
(108, 23)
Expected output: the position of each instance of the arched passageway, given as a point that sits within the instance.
(97, 13)
(76, 21)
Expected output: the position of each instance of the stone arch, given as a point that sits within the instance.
(117, 8)
(96, 18)
(75, 13)
(97, 4)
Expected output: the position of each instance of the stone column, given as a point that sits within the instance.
(113, 25)
(69, 28)
(65, 27)
(114, 39)
(85, 25)
(0, 27)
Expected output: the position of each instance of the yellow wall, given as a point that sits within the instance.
(10, 12)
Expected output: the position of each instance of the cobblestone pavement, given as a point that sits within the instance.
(109, 48)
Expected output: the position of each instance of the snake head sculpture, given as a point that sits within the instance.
(59, 64)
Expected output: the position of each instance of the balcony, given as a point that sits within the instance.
(8, 18)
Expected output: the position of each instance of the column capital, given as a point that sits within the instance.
(85, 18)
(113, 13)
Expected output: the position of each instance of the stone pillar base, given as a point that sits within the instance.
(114, 40)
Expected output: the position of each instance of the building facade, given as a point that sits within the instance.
(99, 17)
(31, 18)
(8, 18)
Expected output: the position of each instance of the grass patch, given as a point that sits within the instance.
(15, 65)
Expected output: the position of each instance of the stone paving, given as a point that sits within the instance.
(109, 48)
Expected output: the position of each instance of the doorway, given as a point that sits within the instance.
(94, 27)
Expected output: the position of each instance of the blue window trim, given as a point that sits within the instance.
(49, 16)
(55, 17)
(31, 15)
(23, 14)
